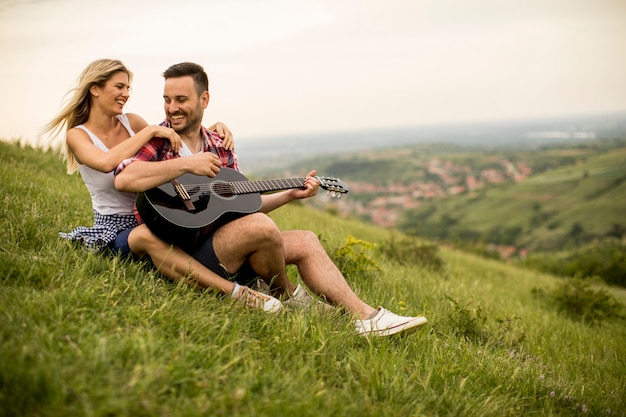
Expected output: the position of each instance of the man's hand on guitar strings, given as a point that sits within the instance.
(205, 163)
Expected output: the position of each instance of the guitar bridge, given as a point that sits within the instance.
(184, 195)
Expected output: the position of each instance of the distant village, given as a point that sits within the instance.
(446, 179)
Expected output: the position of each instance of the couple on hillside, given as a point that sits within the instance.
(119, 154)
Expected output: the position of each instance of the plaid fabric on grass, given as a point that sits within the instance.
(104, 231)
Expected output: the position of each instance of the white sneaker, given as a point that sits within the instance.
(386, 323)
(256, 300)
(302, 299)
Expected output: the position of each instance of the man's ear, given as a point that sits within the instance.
(204, 99)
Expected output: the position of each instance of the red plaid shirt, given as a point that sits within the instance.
(159, 149)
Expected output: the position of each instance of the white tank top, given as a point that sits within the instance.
(105, 198)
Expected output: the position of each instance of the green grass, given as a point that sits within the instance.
(86, 335)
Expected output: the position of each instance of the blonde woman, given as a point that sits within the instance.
(99, 136)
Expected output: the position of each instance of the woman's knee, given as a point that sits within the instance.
(141, 240)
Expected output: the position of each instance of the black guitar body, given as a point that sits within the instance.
(165, 213)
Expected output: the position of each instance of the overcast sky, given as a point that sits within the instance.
(283, 67)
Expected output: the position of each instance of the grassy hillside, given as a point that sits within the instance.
(84, 334)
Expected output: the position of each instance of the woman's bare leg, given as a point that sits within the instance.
(175, 263)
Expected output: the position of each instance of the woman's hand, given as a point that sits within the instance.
(224, 133)
(169, 134)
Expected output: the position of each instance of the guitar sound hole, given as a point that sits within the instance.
(222, 189)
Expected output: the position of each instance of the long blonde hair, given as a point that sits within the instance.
(76, 111)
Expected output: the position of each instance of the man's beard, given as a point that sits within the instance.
(184, 130)
(190, 126)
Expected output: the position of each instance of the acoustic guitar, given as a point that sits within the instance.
(184, 210)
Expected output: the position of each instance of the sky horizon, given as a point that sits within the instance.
(284, 67)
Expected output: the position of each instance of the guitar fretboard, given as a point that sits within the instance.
(262, 186)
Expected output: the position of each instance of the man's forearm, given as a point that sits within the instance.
(271, 202)
(142, 176)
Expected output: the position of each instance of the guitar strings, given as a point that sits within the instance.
(229, 188)
(233, 188)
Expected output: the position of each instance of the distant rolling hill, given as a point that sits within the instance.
(569, 205)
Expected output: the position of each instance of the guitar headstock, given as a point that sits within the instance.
(334, 186)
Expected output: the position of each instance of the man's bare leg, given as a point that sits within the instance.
(303, 249)
(255, 238)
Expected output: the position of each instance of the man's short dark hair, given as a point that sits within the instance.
(195, 71)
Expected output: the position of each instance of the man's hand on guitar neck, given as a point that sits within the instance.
(311, 185)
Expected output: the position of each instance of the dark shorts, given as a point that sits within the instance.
(205, 254)
(120, 245)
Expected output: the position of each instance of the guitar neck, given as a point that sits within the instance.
(264, 186)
